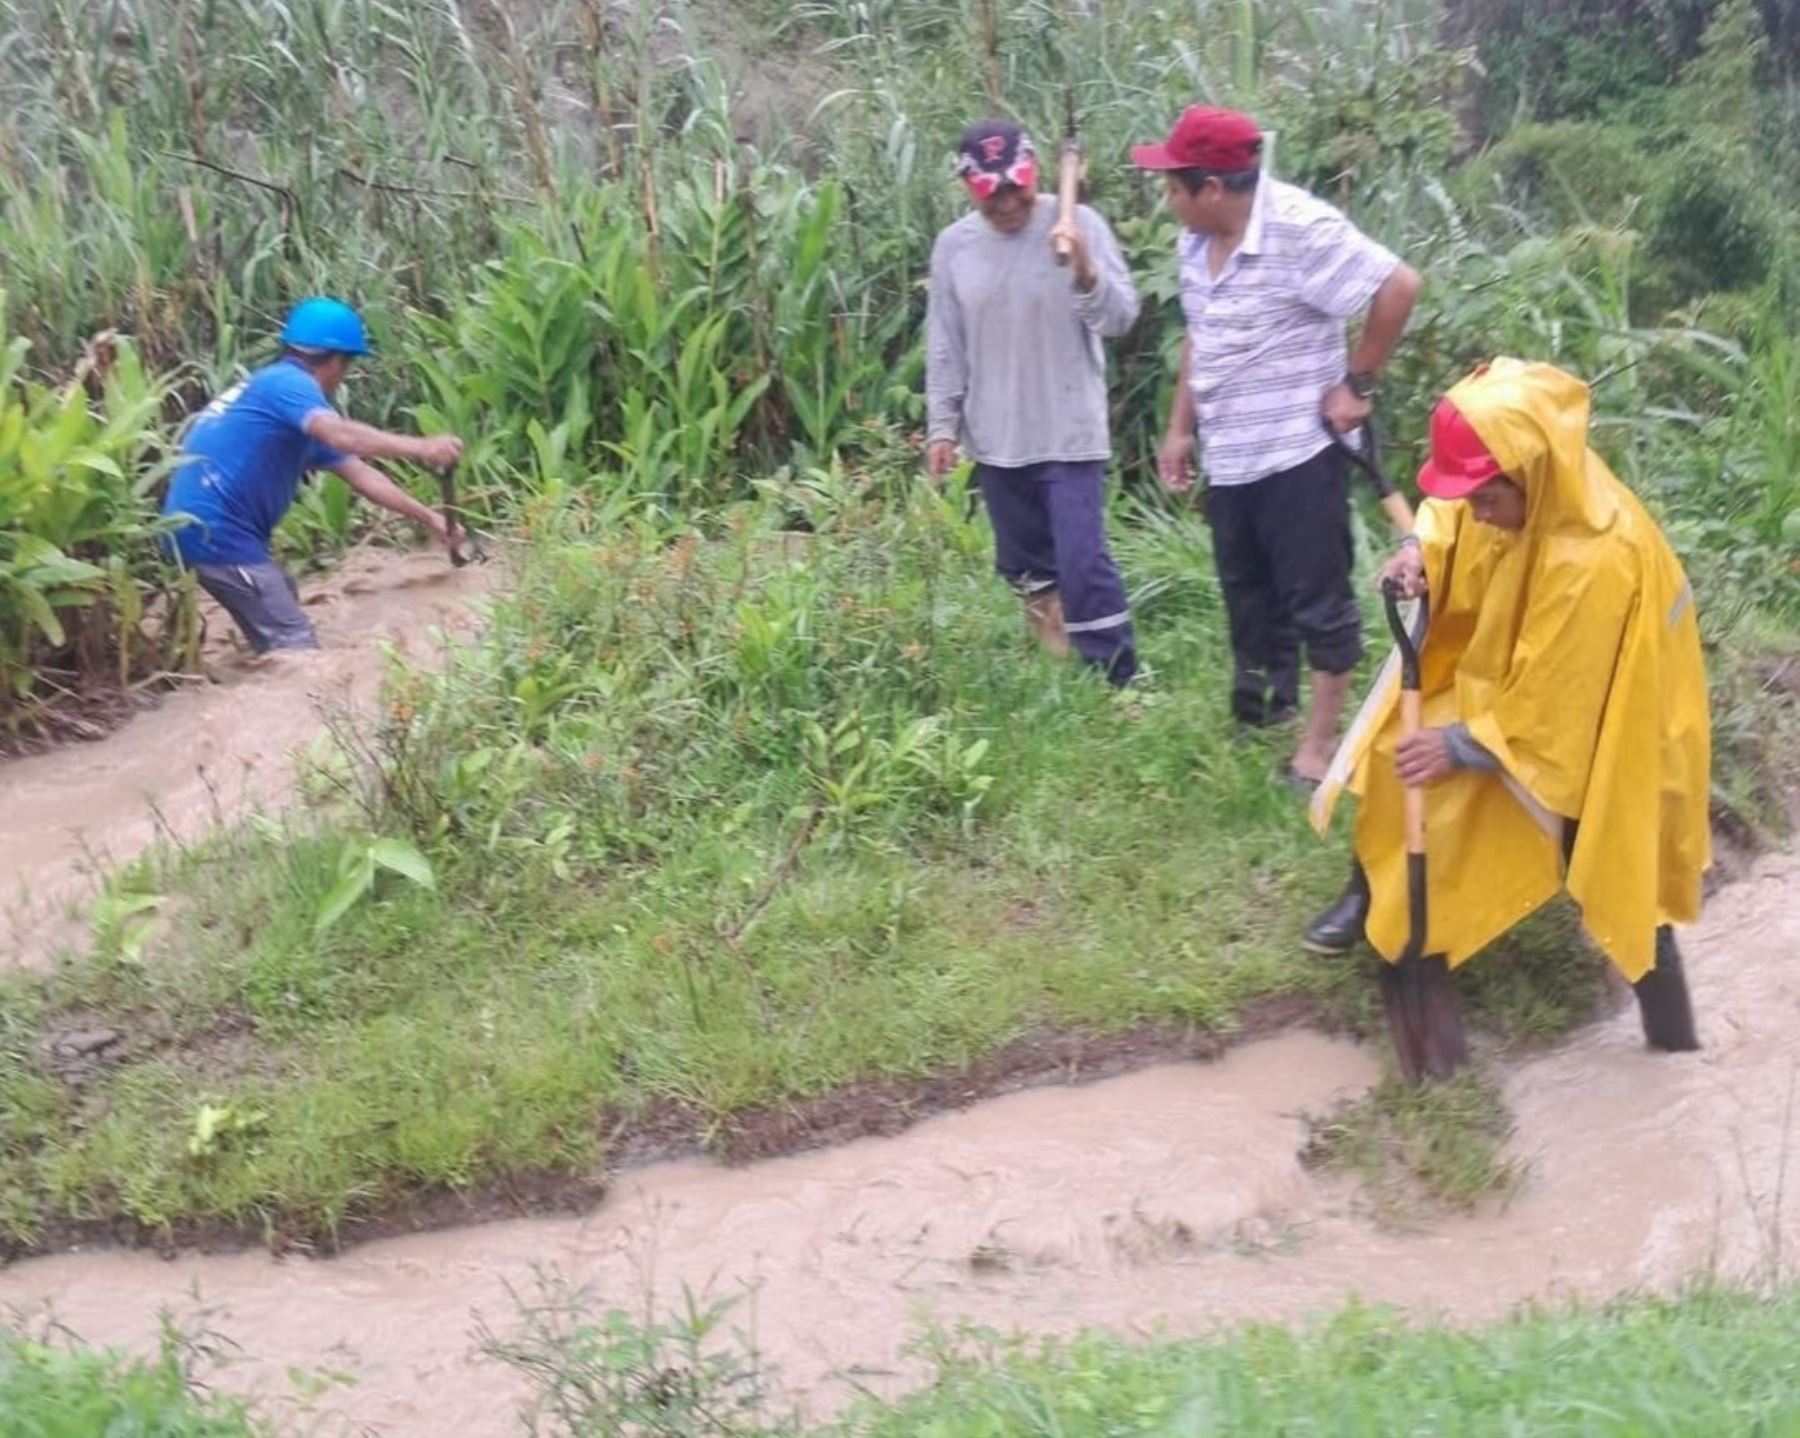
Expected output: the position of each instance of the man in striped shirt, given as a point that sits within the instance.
(1269, 278)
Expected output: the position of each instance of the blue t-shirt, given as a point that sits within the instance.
(241, 464)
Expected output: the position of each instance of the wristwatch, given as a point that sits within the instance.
(1361, 383)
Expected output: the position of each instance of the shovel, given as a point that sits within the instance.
(470, 546)
(1368, 460)
(1423, 1013)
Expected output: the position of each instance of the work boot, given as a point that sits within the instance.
(1044, 617)
(1340, 928)
(1663, 1002)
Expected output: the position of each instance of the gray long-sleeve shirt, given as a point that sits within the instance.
(1015, 368)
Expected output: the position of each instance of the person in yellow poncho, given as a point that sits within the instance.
(1566, 738)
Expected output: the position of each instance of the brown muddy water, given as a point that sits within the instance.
(1169, 1199)
(212, 749)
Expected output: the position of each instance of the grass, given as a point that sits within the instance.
(712, 819)
(1419, 1148)
(59, 1389)
(713, 816)
(1707, 1363)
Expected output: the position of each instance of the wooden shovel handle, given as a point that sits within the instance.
(1068, 190)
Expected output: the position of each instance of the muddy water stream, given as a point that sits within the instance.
(1173, 1196)
(211, 749)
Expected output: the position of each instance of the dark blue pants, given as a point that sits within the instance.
(1050, 533)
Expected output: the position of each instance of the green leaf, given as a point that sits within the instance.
(45, 564)
(399, 857)
(344, 896)
(38, 610)
(99, 462)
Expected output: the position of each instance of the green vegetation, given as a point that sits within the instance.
(57, 1389)
(601, 246)
(711, 819)
(1710, 1362)
(78, 560)
(750, 789)
(1706, 1363)
(1419, 1148)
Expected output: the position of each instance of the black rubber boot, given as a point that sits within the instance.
(1340, 928)
(1663, 1002)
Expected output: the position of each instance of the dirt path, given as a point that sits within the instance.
(1173, 1195)
(219, 748)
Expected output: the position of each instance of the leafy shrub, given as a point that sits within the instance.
(78, 534)
(1713, 222)
(1567, 173)
(66, 1391)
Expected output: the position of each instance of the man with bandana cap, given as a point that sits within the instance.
(1016, 376)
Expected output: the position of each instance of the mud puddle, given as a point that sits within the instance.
(1172, 1198)
(212, 749)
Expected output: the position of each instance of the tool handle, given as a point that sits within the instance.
(1068, 188)
(459, 555)
(1410, 641)
(1414, 797)
(1398, 511)
(1368, 459)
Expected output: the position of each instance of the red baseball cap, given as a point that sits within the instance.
(1205, 138)
(1460, 463)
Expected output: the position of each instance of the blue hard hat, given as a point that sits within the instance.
(322, 324)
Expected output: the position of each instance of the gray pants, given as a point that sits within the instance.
(265, 602)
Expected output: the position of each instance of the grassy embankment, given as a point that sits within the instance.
(1708, 1363)
(712, 819)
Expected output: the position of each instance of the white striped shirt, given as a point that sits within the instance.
(1268, 333)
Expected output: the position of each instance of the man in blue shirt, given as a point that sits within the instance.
(243, 459)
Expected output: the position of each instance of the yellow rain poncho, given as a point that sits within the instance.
(1572, 652)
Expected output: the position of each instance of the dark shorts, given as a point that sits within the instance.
(265, 602)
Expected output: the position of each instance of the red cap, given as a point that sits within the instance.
(1204, 138)
(1460, 463)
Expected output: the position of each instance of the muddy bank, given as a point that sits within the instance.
(667, 1132)
(211, 749)
(1173, 1196)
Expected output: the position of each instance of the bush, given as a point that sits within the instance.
(1567, 173)
(78, 534)
(1714, 223)
(71, 1392)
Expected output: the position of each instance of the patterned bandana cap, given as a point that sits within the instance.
(995, 153)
